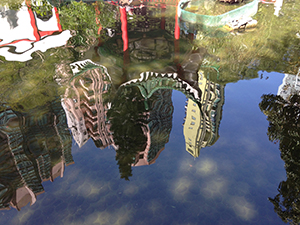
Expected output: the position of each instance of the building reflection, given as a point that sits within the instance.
(158, 128)
(154, 61)
(88, 100)
(86, 104)
(34, 148)
(201, 124)
(134, 116)
(91, 111)
(290, 86)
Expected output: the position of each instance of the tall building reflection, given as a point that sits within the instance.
(201, 128)
(158, 128)
(86, 104)
(88, 100)
(34, 148)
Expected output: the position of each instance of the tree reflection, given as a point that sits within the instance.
(283, 116)
(141, 127)
(128, 118)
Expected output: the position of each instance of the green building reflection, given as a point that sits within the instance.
(34, 148)
(158, 127)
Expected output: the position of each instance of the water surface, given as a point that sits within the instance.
(157, 123)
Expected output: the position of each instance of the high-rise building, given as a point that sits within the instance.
(202, 123)
(33, 149)
(158, 128)
(86, 103)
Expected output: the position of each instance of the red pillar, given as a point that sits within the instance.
(123, 18)
(176, 41)
(177, 28)
(33, 21)
(126, 57)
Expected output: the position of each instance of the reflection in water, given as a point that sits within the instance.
(201, 130)
(158, 127)
(138, 135)
(283, 112)
(137, 121)
(136, 118)
(128, 118)
(149, 82)
(34, 148)
(86, 104)
(24, 32)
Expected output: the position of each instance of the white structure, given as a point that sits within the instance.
(290, 86)
(277, 7)
(23, 33)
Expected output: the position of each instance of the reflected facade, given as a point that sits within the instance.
(158, 128)
(86, 104)
(34, 149)
(201, 125)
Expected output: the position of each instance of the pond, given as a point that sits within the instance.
(127, 113)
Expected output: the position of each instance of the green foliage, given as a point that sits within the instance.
(128, 117)
(12, 4)
(284, 127)
(283, 117)
(109, 14)
(41, 7)
(79, 17)
(85, 21)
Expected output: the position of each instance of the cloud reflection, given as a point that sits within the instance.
(181, 187)
(206, 167)
(117, 217)
(215, 187)
(242, 208)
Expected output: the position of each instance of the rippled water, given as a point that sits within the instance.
(114, 114)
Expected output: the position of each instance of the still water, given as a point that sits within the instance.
(125, 113)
